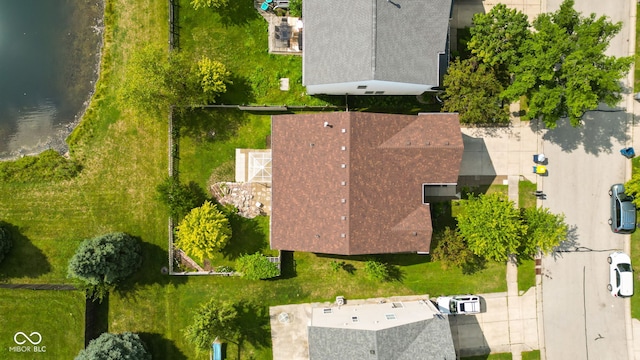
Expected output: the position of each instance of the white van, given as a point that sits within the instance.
(459, 304)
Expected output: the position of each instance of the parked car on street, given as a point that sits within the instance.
(620, 274)
(623, 211)
(458, 304)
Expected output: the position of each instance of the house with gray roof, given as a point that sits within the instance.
(375, 47)
(352, 183)
(395, 330)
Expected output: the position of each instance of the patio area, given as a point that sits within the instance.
(285, 32)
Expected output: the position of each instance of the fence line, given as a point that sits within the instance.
(174, 37)
(38, 286)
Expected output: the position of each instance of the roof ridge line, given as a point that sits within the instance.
(374, 27)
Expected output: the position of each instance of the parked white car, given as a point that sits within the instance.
(458, 304)
(620, 274)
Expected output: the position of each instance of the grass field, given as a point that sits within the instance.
(531, 355)
(58, 316)
(526, 275)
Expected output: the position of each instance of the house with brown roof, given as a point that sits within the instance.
(360, 183)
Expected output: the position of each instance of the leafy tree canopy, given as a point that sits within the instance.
(473, 90)
(497, 36)
(544, 231)
(563, 69)
(103, 261)
(214, 78)
(211, 320)
(217, 4)
(115, 347)
(203, 232)
(157, 79)
(491, 226)
(256, 267)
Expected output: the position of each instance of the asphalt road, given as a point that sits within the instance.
(581, 319)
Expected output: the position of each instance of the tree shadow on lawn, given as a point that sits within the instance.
(23, 259)
(248, 237)
(287, 265)
(402, 259)
(208, 124)
(161, 347)
(152, 271)
(96, 318)
(237, 13)
(239, 92)
(253, 321)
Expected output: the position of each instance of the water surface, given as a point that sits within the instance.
(49, 50)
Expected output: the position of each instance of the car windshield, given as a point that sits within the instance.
(624, 267)
(452, 307)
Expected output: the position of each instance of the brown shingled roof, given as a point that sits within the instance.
(355, 186)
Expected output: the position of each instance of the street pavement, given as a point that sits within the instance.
(581, 318)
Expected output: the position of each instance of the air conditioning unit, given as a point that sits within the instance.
(340, 300)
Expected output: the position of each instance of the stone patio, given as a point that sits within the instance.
(251, 199)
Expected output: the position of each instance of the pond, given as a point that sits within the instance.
(49, 59)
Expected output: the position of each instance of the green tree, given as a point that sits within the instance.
(632, 187)
(179, 198)
(497, 36)
(450, 249)
(203, 232)
(214, 78)
(102, 262)
(473, 90)
(257, 267)
(563, 70)
(115, 347)
(217, 4)
(157, 79)
(545, 231)
(211, 320)
(491, 226)
(5, 242)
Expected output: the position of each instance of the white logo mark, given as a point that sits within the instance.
(28, 338)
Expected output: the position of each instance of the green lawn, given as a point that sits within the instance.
(526, 275)
(531, 355)
(526, 197)
(57, 315)
(501, 356)
(238, 38)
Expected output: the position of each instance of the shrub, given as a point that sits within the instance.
(257, 267)
(115, 347)
(100, 263)
(179, 198)
(203, 232)
(376, 270)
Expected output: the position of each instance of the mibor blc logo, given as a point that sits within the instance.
(27, 343)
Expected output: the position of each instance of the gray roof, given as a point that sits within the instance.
(359, 40)
(425, 339)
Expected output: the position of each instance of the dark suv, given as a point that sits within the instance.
(623, 211)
